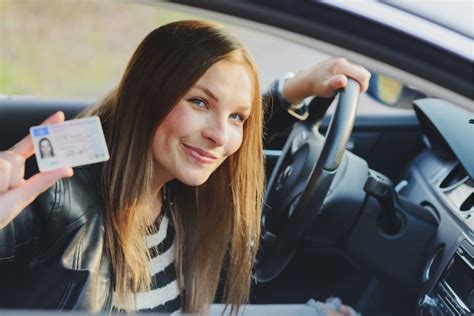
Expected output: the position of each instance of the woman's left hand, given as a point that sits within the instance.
(332, 307)
(324, 79)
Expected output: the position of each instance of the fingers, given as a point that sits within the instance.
(5, 173)
(13, 201)
(12, 162)
(343, 67)
(25, 146)
(34, 186)
(15, 192)
(337, 82)
(12, 170)
(346, 310)
(363, 77)
(40, 183)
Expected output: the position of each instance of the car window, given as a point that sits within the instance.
(72, 49)
(80, 49)
(69, 48)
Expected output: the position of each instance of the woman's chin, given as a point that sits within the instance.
(195, 180)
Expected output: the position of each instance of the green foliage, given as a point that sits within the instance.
(60, 48)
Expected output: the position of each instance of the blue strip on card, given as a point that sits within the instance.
(40, 131)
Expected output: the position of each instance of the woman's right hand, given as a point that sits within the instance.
(15, 192)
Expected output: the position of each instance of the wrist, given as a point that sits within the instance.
(299, 108)
(298, 87)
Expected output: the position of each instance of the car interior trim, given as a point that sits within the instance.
(411, 24)
(283, 31)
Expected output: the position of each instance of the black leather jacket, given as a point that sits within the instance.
(52, 254)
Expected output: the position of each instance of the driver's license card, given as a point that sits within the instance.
(69, 144)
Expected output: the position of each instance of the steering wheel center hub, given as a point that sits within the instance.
(283, 176)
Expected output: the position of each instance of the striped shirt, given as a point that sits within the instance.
(164, 296)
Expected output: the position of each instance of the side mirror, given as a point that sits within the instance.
(392, 92)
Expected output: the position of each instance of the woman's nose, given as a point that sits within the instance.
(216, 132)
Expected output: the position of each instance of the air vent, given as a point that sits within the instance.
(466, 256)
(458, 188)
(455, 177)
(468, 204)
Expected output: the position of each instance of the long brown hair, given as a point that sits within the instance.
(218, 223)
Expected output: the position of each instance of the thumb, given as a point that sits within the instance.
(337, 82)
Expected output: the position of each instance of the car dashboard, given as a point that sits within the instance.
(441, 180)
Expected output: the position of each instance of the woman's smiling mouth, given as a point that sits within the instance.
(199, 155)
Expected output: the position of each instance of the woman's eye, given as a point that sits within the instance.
(198, 102)
(238, 117)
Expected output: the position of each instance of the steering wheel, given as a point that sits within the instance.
(301, 180)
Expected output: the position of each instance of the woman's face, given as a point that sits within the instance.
(205, 127)
(45, 148)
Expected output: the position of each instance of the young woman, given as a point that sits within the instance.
(179, 201)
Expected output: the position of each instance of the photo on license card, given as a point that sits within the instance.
(70, 144)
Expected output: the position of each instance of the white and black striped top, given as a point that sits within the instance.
(164, 296)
